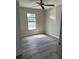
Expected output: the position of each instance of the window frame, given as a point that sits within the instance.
(32, 21)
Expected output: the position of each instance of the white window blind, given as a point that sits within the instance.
(31, 21)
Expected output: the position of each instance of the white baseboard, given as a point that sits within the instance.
(54, 36)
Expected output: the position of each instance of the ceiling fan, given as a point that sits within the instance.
(42, 4)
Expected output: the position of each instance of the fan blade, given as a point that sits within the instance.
(41, 1)
(42, 7)
(49, 5)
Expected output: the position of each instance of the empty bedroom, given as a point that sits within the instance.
(38, 29)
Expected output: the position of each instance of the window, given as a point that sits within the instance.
(31, 21)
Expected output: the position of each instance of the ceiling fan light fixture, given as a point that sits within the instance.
(42, 4)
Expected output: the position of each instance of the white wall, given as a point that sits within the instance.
(18, 34)
(47, 21)
(53, 20)
(40, 21)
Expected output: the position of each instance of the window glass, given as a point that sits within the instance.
(31, 21)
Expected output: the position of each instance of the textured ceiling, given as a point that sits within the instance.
(32, 3)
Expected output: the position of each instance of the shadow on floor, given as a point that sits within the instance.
(19, 57)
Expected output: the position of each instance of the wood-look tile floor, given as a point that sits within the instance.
(40, 47)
